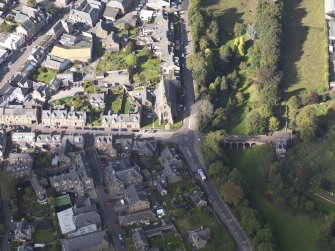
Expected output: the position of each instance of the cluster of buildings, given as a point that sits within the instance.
(29, 21)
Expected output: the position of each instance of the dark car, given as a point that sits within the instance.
(106, 190)
(9, 241)
(122, 245)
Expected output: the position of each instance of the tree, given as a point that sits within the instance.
(203, 43)
(225, 54)
(262, 235)
(232, 193)
(314, 98)
(241, 46)
(326, 184)
(197, 64)
(239, 29)
(273, 124)
(266, 75)
(235, 176)
(215, 168)
(213, 32)
(52, 9)
(220, 117)
(223, 84)
(32, 3)
(131, 60)
(264, 246)
(233, 79)
(250, 222)
(307, 123)
(327, 232)
(204, 112)
(212, 148)
(217, 82)
(239, 97)
(256, 124)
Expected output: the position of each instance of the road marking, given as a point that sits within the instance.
(189, 153)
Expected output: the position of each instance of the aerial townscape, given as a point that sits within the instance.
(167, 125)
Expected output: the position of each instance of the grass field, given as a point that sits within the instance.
(229, 12)
(304, 55)
(63, 201)
(44, 74)
(292, 232)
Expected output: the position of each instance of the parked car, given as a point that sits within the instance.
(106, 191)
(120, 237)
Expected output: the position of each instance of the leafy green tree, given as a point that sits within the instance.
(262, 235)
(239, 29)
(226, 54)
(203, 43)
(131, 60)
(241, 46)
(197, 64)
(219, 119)
(307, 123)
(217, 82)
(273, 124)
(213, 32)
(256, 124)
(250, 222)
(215, 168)
(265, 246)
(212, 146)
(235, 176)
(204, 111)
(223, 84)
(232, 193)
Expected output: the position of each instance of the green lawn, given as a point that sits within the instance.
(44, 236)
(63, 201)
(230, 12)
(148, 68)
(44, 74)
(304, 53)
(220, 238)
(292, 232)
(111, 61)
(167, 242)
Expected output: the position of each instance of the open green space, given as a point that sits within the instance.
(229, 12)
(111, 61)
(292, 232)
(167, 242)
(304, 53)
(148, 68)
(44, 236)
(63, 201)
(44, 74)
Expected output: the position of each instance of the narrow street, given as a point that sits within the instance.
(108, 214)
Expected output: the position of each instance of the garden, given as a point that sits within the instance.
(44, 74)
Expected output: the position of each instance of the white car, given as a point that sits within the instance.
(120, 237)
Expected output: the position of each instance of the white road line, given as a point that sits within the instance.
(189, 154)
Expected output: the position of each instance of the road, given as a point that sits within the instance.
(107, 212)
(186, 137)
(20, 57)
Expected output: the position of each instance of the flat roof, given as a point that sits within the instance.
(65, 220)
